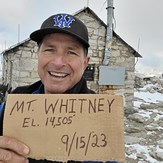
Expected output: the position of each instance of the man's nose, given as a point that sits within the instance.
(59, 60)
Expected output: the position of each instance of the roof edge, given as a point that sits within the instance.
(16, 45)
(134, 52)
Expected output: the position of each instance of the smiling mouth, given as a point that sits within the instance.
(57, 75)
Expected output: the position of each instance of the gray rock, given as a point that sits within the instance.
(160, 155)
(137, 118)
(131, 140)
(151, 128)
(132, 129)
(161, 146)
(142, 156)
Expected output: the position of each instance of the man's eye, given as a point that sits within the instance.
(72, 52)
(48, 49)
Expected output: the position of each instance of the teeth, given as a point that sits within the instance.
(59, 75)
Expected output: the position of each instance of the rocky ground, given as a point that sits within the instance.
(144, 123)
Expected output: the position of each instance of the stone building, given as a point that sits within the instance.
(20, 61)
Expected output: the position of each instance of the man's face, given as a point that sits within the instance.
(61, 62)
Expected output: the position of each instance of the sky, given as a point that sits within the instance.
(138, 22)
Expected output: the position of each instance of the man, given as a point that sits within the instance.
(62, 59)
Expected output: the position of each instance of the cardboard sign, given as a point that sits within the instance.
(61, 127)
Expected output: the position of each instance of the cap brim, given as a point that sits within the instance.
(41, 33)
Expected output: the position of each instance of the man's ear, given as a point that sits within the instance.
(87, 58)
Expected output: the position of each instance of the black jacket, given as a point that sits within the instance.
(79, 88)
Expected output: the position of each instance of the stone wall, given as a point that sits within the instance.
(20, 65)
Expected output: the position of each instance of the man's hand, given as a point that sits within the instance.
(12, 150)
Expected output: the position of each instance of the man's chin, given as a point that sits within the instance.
(55, 90)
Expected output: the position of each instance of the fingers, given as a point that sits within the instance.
(13, 145)
(12, 150)
(7, 156)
